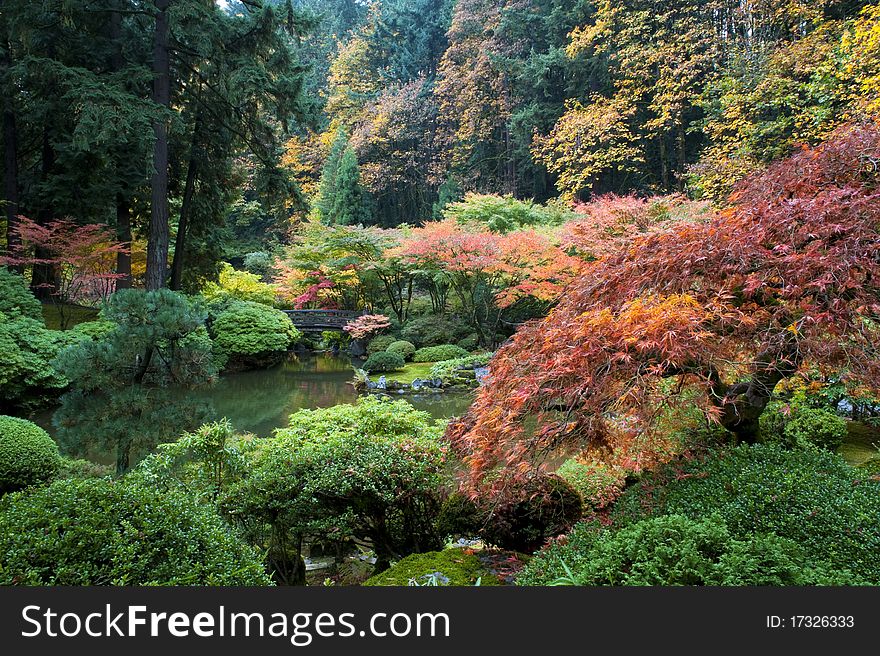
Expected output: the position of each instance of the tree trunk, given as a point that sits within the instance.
(123, 199)
(123, 235)
(192, 174)
(10, 162)
(158, 239)
(43, 276)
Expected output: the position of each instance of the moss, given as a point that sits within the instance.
(456, 565)
(411, 372)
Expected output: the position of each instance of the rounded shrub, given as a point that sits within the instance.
(799, 425)
(251, 334)
(675, 550)
(439, 353)
(384, 361)
(16, 299)
(103, 532)
(380, 343)
(450, 567)
(810, 496)
(532, 513)
(27, 454)
(403, 348)
(433, 330)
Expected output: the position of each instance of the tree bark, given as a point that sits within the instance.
(43, 276)
(192, 174)
(158, 238)
(123, 199)
(10, 163)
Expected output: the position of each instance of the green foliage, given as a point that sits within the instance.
(451, 567)
(258, 263)
(597, 482)
(380, 344)
(503, 214)
(103, 532)
(537, 510)
(239, 285)
(123, 379)
(383, 362)
(369, 471)
(439, 353)
(433, 330)
(80, 468)
(27, 454)
(94, 329)
(403, 348)
(27, 376)
(675, 550)
(199, 464)
(812, 497)
(446, 370)
(241, 328)
(16, 299)
(341, 199)
(798, 425)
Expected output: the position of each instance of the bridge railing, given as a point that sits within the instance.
(321, 318)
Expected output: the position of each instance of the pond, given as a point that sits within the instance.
(260, 401)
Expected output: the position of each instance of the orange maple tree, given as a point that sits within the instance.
(724, 309)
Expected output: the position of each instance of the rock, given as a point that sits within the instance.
(358, 349)
(382, 383)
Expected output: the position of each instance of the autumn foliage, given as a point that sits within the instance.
(722, 309)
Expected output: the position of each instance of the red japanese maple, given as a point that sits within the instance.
(790, 275)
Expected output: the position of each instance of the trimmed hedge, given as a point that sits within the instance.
(243, 329)
(27, 454)
(439, 353)
(103, 532)
(384, 361)
(403, 348)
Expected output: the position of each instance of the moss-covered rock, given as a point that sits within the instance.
(448, 567)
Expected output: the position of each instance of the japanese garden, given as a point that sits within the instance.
(440, 293)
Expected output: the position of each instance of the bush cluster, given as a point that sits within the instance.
(439, 353)
(799, 425)
(16, 299)
(812, 497)
(434, 330)
(27, 454)
(675, 550)
(241, 329)
(597, 482)
(384, 361)
(103, 532)
(403, 348)
(380, 344)
(240, 286)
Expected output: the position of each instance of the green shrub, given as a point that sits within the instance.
(239, 286)
(249, 332)
(27, 454)
(384, 361)
(103, 532)
(597, 482)
(371, 471)
(439, 353)
(433, 330)
(675, 550)
(503, 214)
(528, 515)
(16, 299)
(798, 425)
(469, 343)
(451, 567)
(871, 467)
(258, 263)
(809, 496)
(27, 376)
(460, 517)
(403, 348)
(380, 344)
(446, 370)
(79, 468)
(94, 329)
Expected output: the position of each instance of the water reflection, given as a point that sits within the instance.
(256, 402)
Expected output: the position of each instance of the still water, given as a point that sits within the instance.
(260, 401)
